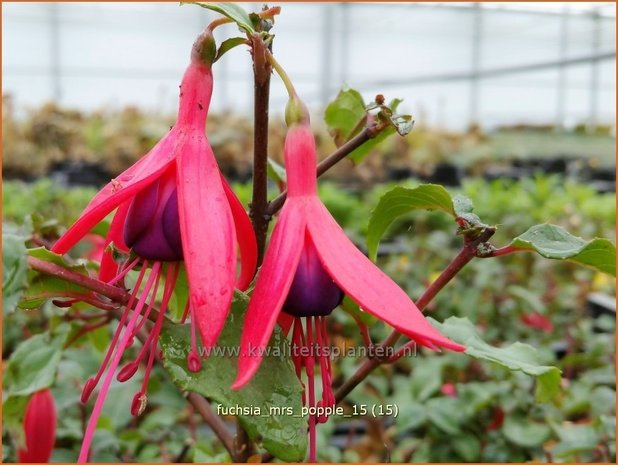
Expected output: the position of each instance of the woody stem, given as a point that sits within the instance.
(467, 253)
(261, 89)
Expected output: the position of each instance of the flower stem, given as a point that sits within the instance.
(330, 161)
(289, 87)
(259, 201)
(467, 253)
(114, 293)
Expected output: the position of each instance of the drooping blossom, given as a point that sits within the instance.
(309, 265)
(172, 206)
(39, 428)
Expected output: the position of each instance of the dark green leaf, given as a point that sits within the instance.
(515, 357)
(232, 11)
(42, 286)
(228, 45)
(401, 200)
(274, 386)
(554, 242)
(14, 269)
(33, 365)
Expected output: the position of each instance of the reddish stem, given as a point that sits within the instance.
(467, 253)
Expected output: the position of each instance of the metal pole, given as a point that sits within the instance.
(54, 45)
(594, 72)
(477, 36)
(344, 10)
(327, 35)
(561, 96)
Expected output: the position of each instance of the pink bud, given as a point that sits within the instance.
(39, 428)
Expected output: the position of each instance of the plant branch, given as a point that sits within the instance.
(467, 253)
(202, 406)
(366, 134)
(261, 88)
(111, 292)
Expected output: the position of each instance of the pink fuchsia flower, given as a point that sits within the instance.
(172, 205)
(39, 428)
(309, 265)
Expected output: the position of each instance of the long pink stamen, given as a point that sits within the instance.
(309, 365)
(153, 299)
(194, 361)
(98, 406)
(185, 313)
(324, 371)
(123, 272)
(92, 382)
(130, 368)
(150, 344)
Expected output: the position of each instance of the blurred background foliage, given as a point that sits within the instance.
(451, 407)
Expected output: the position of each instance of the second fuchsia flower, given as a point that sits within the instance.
(309, 265)
(172, 205)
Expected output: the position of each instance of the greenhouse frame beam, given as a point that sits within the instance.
(495, 72)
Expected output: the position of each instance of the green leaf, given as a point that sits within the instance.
(274, 386)
(343, 115)
(515, 357)
(468, 447)
(14, 269)
(446, 414)
(43, 286)
(33, 365)
(13, 409)
(232, 11)
(180, 296)
(554, 242)
(228, 45)
(276, 172)
(353, 309)
(524, 432)
(400, 201)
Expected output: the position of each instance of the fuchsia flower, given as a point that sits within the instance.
(172, 205)
(309, 265)
(39, 428)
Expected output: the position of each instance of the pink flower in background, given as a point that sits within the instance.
(39, 428)
(172, 206)
(449, 389)
(309, 265)
(537, 321)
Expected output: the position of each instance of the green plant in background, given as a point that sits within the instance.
(537, 381)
